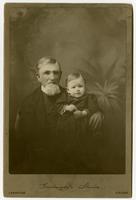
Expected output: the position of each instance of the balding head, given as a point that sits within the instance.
(49, 74)
(47, 60)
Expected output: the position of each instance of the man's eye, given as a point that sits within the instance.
(56, 72)
(47, 72)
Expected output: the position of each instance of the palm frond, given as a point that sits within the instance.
(93, 71)
(107, 95)
(109, 74)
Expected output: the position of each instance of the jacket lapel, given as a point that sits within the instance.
(40, 111)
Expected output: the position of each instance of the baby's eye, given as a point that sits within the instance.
(73, 87)
(80, 86)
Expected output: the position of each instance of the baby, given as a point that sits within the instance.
(78, 119)
(77, 102)
(76, 90)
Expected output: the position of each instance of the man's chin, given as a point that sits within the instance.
(51, 89)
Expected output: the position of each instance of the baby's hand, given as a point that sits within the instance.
(70, 108)
(84, 113)
(77, 114)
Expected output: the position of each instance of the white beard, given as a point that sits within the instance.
(51, 89)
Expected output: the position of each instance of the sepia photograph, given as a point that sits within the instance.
(68, 100)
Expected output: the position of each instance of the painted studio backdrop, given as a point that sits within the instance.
(90, 39)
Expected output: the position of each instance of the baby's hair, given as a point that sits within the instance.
(46, 60)
(74, 76)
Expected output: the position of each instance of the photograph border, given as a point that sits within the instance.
(69, 185)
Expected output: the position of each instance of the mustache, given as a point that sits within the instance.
(52, 82)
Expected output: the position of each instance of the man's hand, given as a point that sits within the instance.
(95, 120)
(70, 108)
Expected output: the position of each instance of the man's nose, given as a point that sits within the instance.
(52, 76)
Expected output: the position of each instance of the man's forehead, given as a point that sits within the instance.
(49, 67)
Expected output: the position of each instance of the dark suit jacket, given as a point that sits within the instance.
(37, 146)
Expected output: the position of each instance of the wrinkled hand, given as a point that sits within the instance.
(95, 120)
(70, 108)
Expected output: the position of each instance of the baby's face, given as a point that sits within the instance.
(76, 88)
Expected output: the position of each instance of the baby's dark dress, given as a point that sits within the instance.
(75, 134)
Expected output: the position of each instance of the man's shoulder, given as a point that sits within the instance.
(32, 98)
(91, 96)
(36, 94)
(63, 95)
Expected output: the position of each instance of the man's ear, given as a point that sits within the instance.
(37, 76)
(60, 75)
(67, 90)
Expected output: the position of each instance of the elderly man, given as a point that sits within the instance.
(38, 145)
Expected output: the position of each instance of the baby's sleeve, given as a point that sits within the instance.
(93, 104)
(60, 103)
